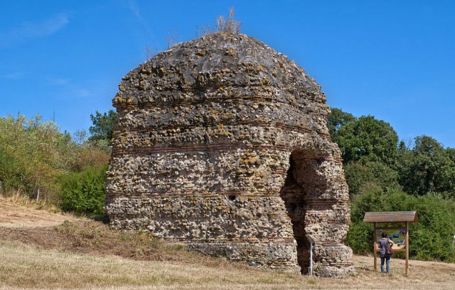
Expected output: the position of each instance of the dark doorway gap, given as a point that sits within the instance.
(293, 195)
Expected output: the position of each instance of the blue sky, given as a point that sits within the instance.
(391, 59)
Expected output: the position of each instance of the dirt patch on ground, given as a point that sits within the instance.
(13, 215)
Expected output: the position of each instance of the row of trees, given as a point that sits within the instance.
(384, 174)
(372, 154)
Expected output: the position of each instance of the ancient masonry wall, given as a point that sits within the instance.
(222, 143)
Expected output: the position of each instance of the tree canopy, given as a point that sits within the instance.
(337, 119)
(367, 137)
(428, 167)
(102, 126)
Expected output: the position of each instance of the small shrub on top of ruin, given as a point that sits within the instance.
(229, 24)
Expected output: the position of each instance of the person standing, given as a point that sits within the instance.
(385, 251)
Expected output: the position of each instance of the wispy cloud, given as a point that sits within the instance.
(13, 76)
(82, 92)
(32, 30)
(67, 87)
(57, 81)
(132, 5)
(134, 8)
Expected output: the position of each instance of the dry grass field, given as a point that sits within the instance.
(86, 254)
(20, 212)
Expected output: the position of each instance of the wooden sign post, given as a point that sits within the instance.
(393, 220)
(375, 252)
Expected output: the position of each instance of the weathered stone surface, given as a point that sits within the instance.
(222, 143)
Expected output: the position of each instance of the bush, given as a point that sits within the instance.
(89, 155)
(84, 192)
(32, 154)
(359, 238)
(229, 25)
(360, 174)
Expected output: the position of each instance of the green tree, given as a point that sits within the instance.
(12, 176)
(337, 119)
(367, 137)
(451, 154)
(102, 127)
(428, 167)
(364, 173)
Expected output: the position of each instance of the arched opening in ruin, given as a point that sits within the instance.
(303, 181)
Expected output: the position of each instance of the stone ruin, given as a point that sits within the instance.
(222, 143)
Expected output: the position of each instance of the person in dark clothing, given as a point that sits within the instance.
(385, 251)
